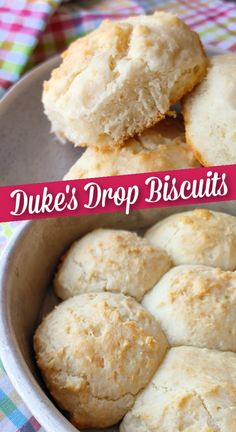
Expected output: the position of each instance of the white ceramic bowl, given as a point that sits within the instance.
(26, 271)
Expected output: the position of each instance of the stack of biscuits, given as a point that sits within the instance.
(146, 332)
(116, 90)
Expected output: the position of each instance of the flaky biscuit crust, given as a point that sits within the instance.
(196, 306)
(210, 114)
(86, 348)
(110, 260)
(123, 78)
(197, 237)
(194, 390)
(160, 148)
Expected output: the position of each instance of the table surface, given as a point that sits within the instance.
(214, 20)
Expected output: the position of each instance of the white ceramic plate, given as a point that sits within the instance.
(28, 152)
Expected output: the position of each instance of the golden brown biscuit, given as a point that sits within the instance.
(196, 305)
(110, 260)
(210, 114)
(159, 148)
(197, 237)
(194, 390)
(122, 78)
(96, 352)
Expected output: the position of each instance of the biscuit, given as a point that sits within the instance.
(210, 114)
(110, 260)
(159, 148)
(194, 390)
(122, 78)
(96, 352)
(197, 237)
(196, 305)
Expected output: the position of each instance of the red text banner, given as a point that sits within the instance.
(119, 193)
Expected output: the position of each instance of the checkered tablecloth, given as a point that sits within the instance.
(32, 31)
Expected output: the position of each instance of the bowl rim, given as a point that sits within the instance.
(41, 407)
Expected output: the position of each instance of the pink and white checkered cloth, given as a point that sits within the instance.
(32, 31)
